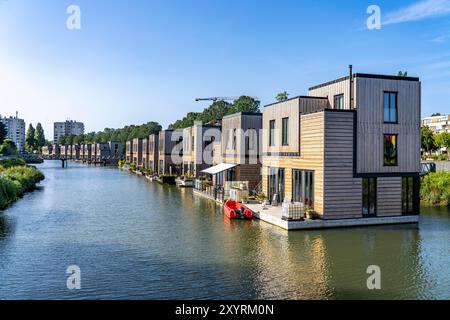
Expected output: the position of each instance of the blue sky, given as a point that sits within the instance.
(136, 61)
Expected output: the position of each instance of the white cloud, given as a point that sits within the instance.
(441, 39)
(419, 11)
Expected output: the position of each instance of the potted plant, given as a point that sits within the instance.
(310, 213)
(244, 199)
(261, 197)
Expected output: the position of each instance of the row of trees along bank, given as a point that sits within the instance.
(216, 111)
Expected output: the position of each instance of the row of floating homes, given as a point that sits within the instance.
(345, 154)
(109, 153)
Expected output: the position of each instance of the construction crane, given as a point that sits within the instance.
(220, 99)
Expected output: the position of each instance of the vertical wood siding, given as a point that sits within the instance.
(371, 126)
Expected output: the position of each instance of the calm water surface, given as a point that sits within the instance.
(134, 239)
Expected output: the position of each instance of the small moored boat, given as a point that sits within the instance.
(235, 210)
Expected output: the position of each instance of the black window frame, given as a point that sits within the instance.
(375, 196)
(384, 150)
(408, 203)
(340, 96)
(302, 174)
(272, 133)
(277, 182)
(285, 131)
(389, 108)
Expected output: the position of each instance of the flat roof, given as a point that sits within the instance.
(242, 114)
(365, 75)
(295, 98)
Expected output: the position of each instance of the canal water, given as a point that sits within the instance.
(134, 239)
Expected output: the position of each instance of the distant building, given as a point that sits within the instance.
(68, 128)
(438, 124)
(16, 130)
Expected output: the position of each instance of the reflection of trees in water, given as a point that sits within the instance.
(6, 228)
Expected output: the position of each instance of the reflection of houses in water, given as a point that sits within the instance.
(332, 264)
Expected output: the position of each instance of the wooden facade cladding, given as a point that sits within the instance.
(371, 126)
(145, 153)
(291, 109)
(244, 126)
(312, 136)
(137, 152)
(343, 192)
(198, 147)
(332, 90)
(153, 161)
(170, 149)
(389, 196)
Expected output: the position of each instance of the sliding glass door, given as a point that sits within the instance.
(303, 187)
(276, 184)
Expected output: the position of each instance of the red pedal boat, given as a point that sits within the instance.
(235, 210)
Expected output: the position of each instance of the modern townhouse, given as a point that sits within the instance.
(129, 152)
(93, 152)
(350, 149)
(69, 151)
(56, 151)
(76, 148)
(170, 152)
(82, 150)
(240, 148)
(145, 152)
(116, 152)
(64, 153)
(137, 152)
(198, 152)
(87, 152)
(102, 153)
(237, 167)
(47, 151)
(153, 149)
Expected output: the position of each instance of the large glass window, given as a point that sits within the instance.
(390, 107)
(407, 195)
(369, 186)
(285, 132)
(339, 102)
(303, 187)
(272, 133)
(276, 185)
(390, 150)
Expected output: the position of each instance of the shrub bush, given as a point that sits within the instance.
(16, 181)
(13, 162)
(435, 189)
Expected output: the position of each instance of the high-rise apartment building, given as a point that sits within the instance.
(67, 128)
(16, 130)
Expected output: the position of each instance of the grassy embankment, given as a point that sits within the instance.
(16, 179)
(435, 189)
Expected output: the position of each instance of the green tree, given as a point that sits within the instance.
(403, 74)
(62, 140)
(79, 139)
(442, 140)
(3, 132)
(39, 137)
(282, 96)
(8, 148)
(427, 137)
(246, 104)
(437, 114)
(30, 142)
